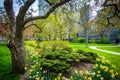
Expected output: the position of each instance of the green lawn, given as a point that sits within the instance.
(114, 49)
(111, 57)
(5, 64)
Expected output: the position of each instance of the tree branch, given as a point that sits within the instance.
(8, 4)
(50, 3)
(48, 13)
(33, 24)
(116, 13)
(23, 10)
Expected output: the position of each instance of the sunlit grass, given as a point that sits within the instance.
(114, 49)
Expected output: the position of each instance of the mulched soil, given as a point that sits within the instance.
(81, 66)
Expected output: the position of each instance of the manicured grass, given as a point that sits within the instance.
(114, 59)
(114, 49)
(5, 64)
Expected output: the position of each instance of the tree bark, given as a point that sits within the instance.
(16, 46)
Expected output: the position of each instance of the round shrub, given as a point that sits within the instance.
(78, 40)
(105, 40)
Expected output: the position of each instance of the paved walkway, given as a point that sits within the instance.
(111, 52)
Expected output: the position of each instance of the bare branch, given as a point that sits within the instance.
(24, 9)
(50, 3)
(33, 24)
(48, 13)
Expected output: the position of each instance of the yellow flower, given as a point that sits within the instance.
(55, 79)
(37, 72)
(112, 75)
(60, 74)
(33, 66)
(103, 60)
(97, 59)
(96, 65)
(98, 75)
(116, 73)
(58, 78)
(36, 63)
(42, 78)
(87, 72)
(71, 78)
(76, 71)
(102, 67)
(98, 71)
(25, 68)
(80, 72)
(111, 71)
(31, 70)
(106, 69)
(89, 78)
(40, 68)
(37, 78)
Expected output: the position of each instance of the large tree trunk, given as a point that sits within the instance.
(16, 46)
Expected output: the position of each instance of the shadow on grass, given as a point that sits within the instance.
(9, 76)
(6, 64)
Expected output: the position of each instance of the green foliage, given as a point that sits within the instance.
(118, 37)
(90, 56)
(31, 43)
(53, 45)
(59, 61)
(78, 40)
(105, 40)
(94, 41)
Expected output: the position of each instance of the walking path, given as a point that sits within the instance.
(111, 52)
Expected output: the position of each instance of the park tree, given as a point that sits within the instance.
(69, 18)
(17, 26)
(107, 18)
(84, 17)
(111, 11)
(50, 30)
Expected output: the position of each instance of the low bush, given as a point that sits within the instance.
(31, 43)
(102, 70)
(105, 40)
(53, 45)
(78, 40)
(59, 61)
(90, 56)
(94, 41)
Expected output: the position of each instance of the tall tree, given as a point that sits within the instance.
(17, 26)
